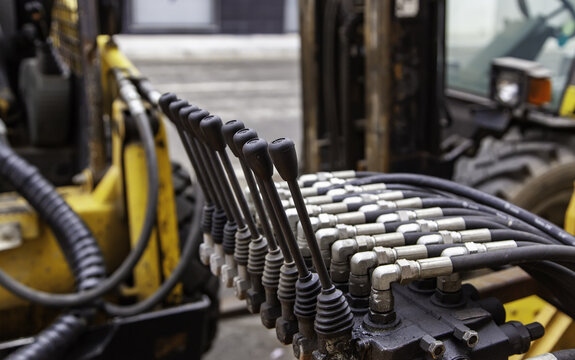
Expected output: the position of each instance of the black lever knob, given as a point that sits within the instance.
(284, 157)
(187, 110)
(165, 101)
(229, 129)
(194, 119)
(175, 107)
(211, 126)
(242, 137)
(256, 154)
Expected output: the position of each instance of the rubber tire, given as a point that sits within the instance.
(198, 279)
(529, 170)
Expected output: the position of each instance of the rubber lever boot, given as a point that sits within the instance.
(271, 310)
(334, 320)
(217, 259)
(253, 256)
(307, 285)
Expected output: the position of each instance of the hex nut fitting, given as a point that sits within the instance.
(434, 348)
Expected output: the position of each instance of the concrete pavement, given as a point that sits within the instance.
(209, 47)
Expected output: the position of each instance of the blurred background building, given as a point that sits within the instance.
(211, 16)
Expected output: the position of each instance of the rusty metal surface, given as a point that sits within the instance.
(309, 75)
(378, 42)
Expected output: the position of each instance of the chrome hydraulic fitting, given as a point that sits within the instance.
(453, 223)
(455, 237)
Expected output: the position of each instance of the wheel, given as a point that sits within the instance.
(534, 171)
(197, 279)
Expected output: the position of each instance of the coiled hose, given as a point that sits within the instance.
(79, 246)
(76, 241)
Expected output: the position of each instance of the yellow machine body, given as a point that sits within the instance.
(113, 209)
(559, 327)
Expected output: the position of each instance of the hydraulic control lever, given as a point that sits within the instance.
(334, 319)
(263, 265)
(213, 130)
(279, 276)
(225, 251)
(307, 285)
(212, 202)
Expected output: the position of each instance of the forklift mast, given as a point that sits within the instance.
(373, 84)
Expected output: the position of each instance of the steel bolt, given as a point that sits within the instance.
(433, 347)
(468, 336)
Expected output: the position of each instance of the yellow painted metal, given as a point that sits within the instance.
(559, 328)
(113, 210)
(568, 103)
(111, 58)
(167, 219)
(147, 276)
(162, 253)
(39, 261)
(534, 309)
(165, 248)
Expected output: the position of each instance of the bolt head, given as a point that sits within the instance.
(434, 348)
(408, 270)
(285, 330)
(254, 300)
(468, 336)
(269, 315)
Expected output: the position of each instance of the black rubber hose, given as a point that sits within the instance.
(464, 204)
(24, 185)
(507, 234)
(553, 277)
(80, 248)
(475, 195)
(480, 222)
(514, 256)
(188, 253)
(54, 340)
(75, 239)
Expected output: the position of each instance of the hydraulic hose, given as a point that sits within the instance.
(79, 246)
(189, 252)
(53, 341)
(506, 234)
(514, 256)
(24, 183)
(475, 195)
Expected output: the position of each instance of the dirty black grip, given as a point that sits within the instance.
(174, 108)
(165, 101)
(284, 157)
(211, 127)
(229, 129)
(194, 119)
(258, 159)
(187, 110)
(242, 137)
